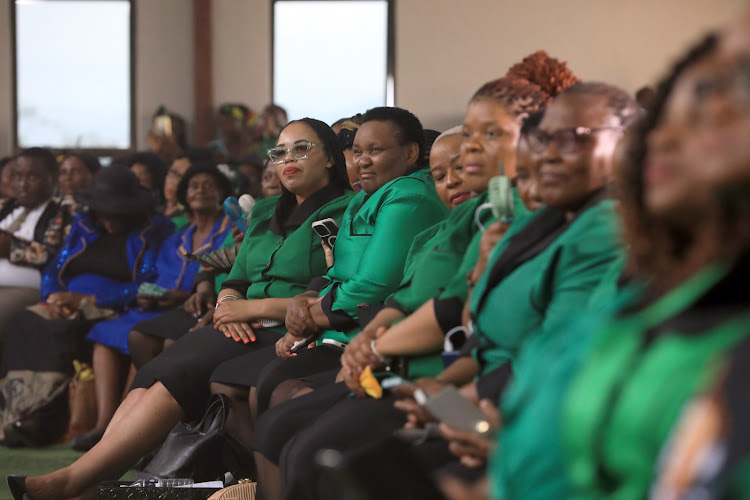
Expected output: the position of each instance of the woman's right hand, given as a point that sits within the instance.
(328, 253)
(299, 321)
(284, 346)
(201, 301)
(490, 238)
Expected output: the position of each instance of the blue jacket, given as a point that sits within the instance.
(142, 250)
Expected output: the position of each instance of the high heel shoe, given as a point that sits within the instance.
(17, 487)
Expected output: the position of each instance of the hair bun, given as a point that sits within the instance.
(551, 74)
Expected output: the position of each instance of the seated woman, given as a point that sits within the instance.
(77, 171)
(543, 268)
(201, 191)
(398, 201)
(110, 251)
(149, 338)
(708, 453)
(33, 225)
(279, 256)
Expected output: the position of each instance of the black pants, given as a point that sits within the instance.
(346, 426)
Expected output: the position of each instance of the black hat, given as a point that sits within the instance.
(116, 191)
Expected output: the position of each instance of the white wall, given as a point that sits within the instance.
(164, 64)
(445, 49)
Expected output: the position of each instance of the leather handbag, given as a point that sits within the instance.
(202, 451)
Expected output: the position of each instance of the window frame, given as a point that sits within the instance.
(98, 152)
(390, 51)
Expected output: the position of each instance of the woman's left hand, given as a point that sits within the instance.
(473, 450)
(64, 304)
(172, 298)
(233, 311)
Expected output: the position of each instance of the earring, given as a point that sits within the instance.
(329, 165)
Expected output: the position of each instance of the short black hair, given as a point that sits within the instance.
(408, 125)
(430, 136)
(44, 155)
(224, 185)
(89, 161)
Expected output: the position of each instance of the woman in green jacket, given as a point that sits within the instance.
(279, 256)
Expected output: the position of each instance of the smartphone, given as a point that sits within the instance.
(163, 125)
(334, 343)
(327, 229)
(301, 345)
(451, 407)
(500, 196)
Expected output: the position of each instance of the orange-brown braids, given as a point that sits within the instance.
(551, 74)
(529, 85)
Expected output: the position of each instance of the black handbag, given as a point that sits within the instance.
(202, 451)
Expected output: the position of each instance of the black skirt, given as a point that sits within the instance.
(186, 366)
(170, 325)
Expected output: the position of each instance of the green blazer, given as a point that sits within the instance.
(540, 274)
(278, 259)
(529, 462)
(371, 247)
(643, 367)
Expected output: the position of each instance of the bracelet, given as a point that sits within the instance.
(226, 297)
(377, 354)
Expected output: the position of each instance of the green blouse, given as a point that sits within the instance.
(642, 369)
(278, 259)
(371, 247)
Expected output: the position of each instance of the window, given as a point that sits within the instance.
(73, 67)
(332, 59)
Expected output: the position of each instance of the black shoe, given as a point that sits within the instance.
(86, 441)
(17, 487)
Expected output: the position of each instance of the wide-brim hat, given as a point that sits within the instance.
(116, 191)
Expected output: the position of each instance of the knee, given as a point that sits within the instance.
(235, 392)
(289, 389)
(143, 347)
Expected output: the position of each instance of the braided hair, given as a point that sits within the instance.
(529, 85)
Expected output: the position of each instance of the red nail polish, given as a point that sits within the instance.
(246, 340)
(252, 339)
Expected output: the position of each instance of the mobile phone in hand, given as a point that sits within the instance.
(327, 229)
(451, 407)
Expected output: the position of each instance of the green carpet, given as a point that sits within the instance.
(34, 461)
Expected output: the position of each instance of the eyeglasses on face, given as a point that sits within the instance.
(567, 140)
(299, 150)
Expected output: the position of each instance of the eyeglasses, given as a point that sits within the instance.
(567, 140)
(299, 150)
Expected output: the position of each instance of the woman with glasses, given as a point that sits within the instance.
(279, 256)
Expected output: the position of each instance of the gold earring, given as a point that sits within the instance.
(329, 165)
